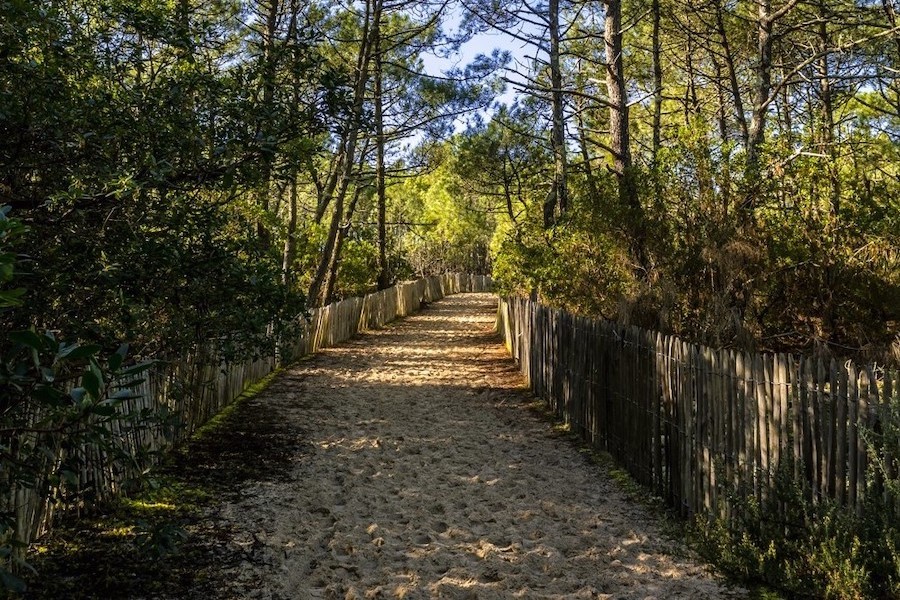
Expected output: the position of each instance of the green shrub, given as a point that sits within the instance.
(822, 549)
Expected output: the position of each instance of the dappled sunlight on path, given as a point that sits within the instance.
(422, 474)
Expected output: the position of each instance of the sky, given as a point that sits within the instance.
(482, 43)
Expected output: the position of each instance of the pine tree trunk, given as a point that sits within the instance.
(334, 264)
(342, 178)
(560, 194)
(732, 75)
(620, 143)
(657, 82)
(383, 279)
(268, 97)
(757, 131)
(290, 241)
(827, 99)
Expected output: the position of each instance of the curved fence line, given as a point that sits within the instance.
(696, 424)
(196, 387)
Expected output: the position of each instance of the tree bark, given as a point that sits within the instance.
(589, 176)
(268, 96)
(827, 108)
(691, 102)
(383, 279)
(342, 177)
(290, 242)
(620, 143)
(732, 75)
(657, 83)
(762, 90)
(559, 195)
(342, 165)
(335, 261)
(762, 87)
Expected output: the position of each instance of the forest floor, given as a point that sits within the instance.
(406, 463)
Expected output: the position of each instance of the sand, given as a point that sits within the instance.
(417, 470)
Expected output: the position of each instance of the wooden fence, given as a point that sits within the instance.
(196, 387)
(693, 423)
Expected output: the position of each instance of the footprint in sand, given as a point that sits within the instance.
(431, 479)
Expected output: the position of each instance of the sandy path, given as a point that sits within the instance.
(419, 473)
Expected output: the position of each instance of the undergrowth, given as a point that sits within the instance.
(160, 540)
(816, 549)
(784, 545)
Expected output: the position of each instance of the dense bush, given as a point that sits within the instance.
(821, 549)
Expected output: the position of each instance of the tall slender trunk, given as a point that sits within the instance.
(732, 75)
(618, 100)
(786, 127)
(620, 143)
(344, 229)
(560, 195)
(325, 191)
(657, 87)
(756, 134)
(725, 174)
(507, 180)
(827, 146)
(342, 164)
(290, 241)
(383, 279)
(315, 295)
(721, 116)
(343, 176)
(589, 176)
(691, 104)
(269, 67)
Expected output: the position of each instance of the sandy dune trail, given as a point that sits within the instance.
(419, 473)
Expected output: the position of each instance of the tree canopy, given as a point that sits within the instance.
(179, 171)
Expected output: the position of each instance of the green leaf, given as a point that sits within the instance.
(29, 339)
(48, 394)
(92, 383)
(104, 410)
(75, 352)
(78, 394)
(12, 297)
(11, 583)
(138, 368)
(50, 342)
(115, 361)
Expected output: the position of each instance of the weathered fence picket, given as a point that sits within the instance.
(692, 422)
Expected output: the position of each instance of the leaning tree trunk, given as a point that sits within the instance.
(826, 96)
(733, 83)
(334, 264)
(342, 177)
